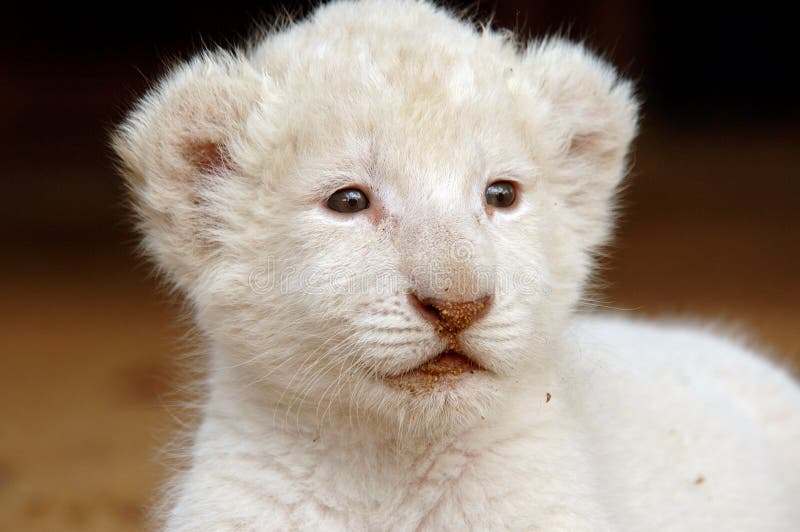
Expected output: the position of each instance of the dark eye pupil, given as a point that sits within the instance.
(348, 200)
(500, 194)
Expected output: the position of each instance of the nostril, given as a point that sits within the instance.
(424, 308)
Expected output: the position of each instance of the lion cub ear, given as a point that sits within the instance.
(586, 129)
(175, 145)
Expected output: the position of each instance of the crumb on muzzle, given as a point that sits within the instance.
(456, 316)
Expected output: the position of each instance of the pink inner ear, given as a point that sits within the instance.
(594, 144)
(207, 156)
(582, 142)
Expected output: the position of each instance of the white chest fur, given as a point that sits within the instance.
(526, 470)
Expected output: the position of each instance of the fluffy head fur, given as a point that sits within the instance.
(230, 160)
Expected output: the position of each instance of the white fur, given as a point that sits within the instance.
(648, 427)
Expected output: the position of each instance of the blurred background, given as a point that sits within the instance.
(89, 344)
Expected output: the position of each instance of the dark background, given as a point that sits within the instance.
(710, 226)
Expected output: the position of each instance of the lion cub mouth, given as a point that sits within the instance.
(448, 362)
(444, 368)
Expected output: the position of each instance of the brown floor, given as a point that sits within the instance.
(89, 347)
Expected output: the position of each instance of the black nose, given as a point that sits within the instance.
(451, 317)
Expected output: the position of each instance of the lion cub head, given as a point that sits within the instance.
(382, 211)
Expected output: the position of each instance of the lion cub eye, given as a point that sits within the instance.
(348, 200)
(501, 194)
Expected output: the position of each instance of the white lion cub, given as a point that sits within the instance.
(384, 219)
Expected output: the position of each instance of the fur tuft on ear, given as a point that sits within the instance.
(586, 129)
(175, 143)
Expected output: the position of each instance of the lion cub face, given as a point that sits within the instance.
(381, 212)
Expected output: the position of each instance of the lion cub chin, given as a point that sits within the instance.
(383, 218)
